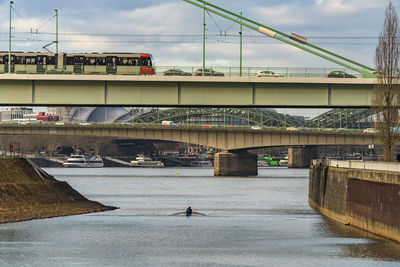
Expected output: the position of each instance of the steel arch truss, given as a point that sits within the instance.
(342, 118)
(220, 116)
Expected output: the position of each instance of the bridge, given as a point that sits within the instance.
(233, 141)
(176, 91)
(339, 118)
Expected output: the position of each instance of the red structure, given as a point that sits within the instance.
(43, 117)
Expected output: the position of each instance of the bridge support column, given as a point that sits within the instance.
(235, 164)
(300, 157)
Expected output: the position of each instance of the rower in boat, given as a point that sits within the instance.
(188, 212)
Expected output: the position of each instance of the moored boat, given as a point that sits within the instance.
(84, 161)
(142, 161)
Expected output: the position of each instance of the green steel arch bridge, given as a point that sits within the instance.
(335, 118)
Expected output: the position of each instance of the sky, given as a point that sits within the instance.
(171, 30)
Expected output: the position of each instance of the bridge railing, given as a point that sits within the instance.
(188, 70)
(211, 126)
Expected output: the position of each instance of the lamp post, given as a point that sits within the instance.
(9, 41)
(55, 10)
(204, 38)
(241, 44)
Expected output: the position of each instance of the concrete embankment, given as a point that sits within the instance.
(27, 192)
(362, 194)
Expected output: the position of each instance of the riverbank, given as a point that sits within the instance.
(27, 193)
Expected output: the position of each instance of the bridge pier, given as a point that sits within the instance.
(300, 157)
(235, 164)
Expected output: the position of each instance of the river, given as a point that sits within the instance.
(259, 221)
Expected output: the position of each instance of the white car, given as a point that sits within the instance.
(59, 123)
(268, 73)
(370, 130)
(292, 129)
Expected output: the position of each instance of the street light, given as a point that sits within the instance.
(9, 41)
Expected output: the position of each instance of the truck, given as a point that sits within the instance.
(168, 124)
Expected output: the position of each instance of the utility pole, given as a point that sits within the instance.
(56, 30)
(204, 39)
(9, 41)
(241, 44)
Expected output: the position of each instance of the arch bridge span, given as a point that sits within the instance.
(223, 138)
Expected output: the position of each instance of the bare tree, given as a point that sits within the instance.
(386, 92)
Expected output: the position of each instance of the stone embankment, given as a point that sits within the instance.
(362, 194)
(27, 192)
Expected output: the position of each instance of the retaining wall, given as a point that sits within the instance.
(358, 194)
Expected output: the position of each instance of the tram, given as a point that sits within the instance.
(78, 63)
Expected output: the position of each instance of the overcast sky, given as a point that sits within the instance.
(171, 30)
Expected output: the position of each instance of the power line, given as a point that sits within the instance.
(189, 35)
(176, 42)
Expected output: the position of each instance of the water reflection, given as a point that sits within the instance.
(357, 243)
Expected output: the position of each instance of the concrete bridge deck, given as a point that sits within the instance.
(224, 138)
(119, 90)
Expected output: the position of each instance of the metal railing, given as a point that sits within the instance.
(176, 71)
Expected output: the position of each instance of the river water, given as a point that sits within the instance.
(259, 221)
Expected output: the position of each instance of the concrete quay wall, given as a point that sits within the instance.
(358, 194)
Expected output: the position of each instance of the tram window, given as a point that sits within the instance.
(51, 61)
(19, 60)
(79, 60)
(70, 61)
(145, 62)
(41, 60)
(91, 61)
(111, 61)
(101, 61)
(132, 61)
(1, 60)
(31, 60)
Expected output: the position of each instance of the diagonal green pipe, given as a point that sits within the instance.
(363, 72)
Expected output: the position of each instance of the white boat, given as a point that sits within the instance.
(284, 162)
(142, 161)
(84, 161)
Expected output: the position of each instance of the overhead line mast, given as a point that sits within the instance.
(275, 34)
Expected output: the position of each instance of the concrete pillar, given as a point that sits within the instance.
(235, 164)
(300, 157)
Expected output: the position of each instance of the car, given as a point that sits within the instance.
(340, 74)
(370, 130)
(256, 127)
(208, 72)
(268, 73)
(292, 129)
(176, 72)
(84, 123)
(59, 123)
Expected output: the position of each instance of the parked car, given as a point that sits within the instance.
(256, 127)
(340, 74)
(208, 72)
(268, 73)
(176, 72)
(59, 123)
